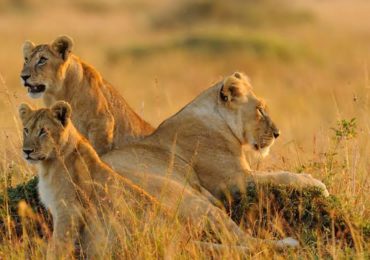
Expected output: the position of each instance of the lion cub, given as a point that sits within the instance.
(74, 184)
(100, 113)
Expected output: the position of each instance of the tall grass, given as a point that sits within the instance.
(324, 227)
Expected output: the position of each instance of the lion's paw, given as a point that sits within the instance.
(311, 181)
(288, 242)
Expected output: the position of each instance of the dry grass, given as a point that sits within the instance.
(311, 65)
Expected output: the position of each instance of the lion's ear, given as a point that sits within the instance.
(63, 46)
(27, 48)
(235, 88)
(24, 111)
(62, 112)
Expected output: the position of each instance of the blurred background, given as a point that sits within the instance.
(308, 59)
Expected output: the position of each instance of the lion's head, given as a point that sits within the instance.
(246, 114)
(45, 65)
(44, 130)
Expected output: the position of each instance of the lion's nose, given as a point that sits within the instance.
(25, 77)
(27, 151)
(276, 133)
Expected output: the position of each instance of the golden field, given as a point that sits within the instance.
(309, 60)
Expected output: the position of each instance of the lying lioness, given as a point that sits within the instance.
(202, 146)
(84, 194)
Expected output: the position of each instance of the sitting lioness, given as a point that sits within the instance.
(83, 193)
(202, 146)
(80, 190)
(100, 113)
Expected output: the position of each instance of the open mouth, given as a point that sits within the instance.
(35, 88)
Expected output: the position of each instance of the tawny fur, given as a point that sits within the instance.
(201, 149)
(80, 190)
(203, 145)
(100, 113)
(192, 158)
(83, 193)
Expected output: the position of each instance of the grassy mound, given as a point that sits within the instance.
(264, 209)
(12, 209)
(304, 214)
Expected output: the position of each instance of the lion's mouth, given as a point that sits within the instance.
(30, 159)
(35, 88)
(262, 150)
(259, 147)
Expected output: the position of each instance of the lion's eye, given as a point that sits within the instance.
(261, 112)
(223, 97)
(25, 131)
(42, 132)
(42, 61)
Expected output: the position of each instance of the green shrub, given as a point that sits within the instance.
(9, 207)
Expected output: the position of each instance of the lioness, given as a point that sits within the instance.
(100, 113)
(202, 146)
(82, 192)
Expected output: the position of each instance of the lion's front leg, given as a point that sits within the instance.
(66, 230)
(289, 178)
(101, 134)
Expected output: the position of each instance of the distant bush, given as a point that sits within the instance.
(15, 5)
(95, 6)
(216, 43)
(242, 12)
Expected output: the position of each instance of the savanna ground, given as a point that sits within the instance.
(309, 60)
